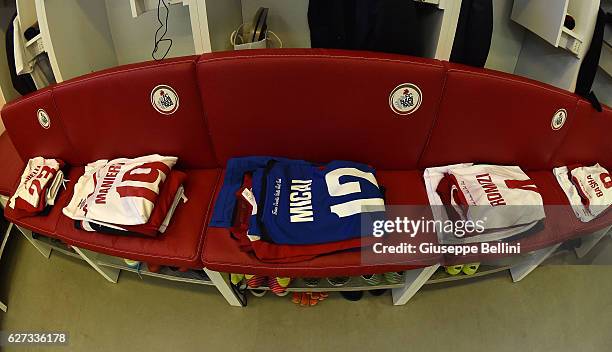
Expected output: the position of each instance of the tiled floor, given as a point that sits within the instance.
(556, 308)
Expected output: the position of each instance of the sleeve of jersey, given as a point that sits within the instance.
(449, 195)
(236, 168)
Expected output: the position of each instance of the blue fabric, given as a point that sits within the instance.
(234, 173)
(294, 201)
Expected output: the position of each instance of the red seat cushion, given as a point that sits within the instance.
(179, 246)
(12, 166)
(221, 252)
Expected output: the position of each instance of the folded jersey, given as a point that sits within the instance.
(279, 253)
(121, 191)
(503, 195)
(503, 199)
(588, 189)
(39, 185)
(300, 203)
(170, 195)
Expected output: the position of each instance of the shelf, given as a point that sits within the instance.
(192, 276)
(569, 40)
(546, 19)
(356, 283)
(441, 276)
(138, 7)
(35, 45)
(57, 245)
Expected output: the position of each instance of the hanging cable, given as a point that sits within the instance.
(162, 25)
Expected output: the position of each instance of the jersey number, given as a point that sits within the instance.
(45, 173)
(145, 173)
(337, 189)
(525, 185)
(606, 179)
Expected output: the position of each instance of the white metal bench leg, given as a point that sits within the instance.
(110, 274)
(7, 233)
(415, 279)
(521, 270)
(4, 241)
(224, 287)
(43, 248)
(588, 242)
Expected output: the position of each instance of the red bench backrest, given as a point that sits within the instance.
(29, 136)
(489, 117)
(589, 138)
(109, 114)
(311, 104)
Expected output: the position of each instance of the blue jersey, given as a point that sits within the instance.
(298, 202)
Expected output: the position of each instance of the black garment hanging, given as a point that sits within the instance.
(378, 25)
(330, 23)
(588, 68)
(24, 84)
(474, 30)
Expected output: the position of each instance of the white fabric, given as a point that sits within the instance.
(432, 177)
(54, 188)
(524, 206)
(592, 181)
(37, 173)
(180, 195)
(531, 216)
(97, 197)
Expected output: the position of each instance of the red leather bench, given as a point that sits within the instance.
(108, 115)
(11, 165)
(309, 104)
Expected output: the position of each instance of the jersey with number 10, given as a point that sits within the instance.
(297, 202)
(121, 191)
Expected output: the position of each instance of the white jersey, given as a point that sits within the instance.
(121, 191)
(482, 184)
(588, 189)
(38, 186)
(502, 196)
